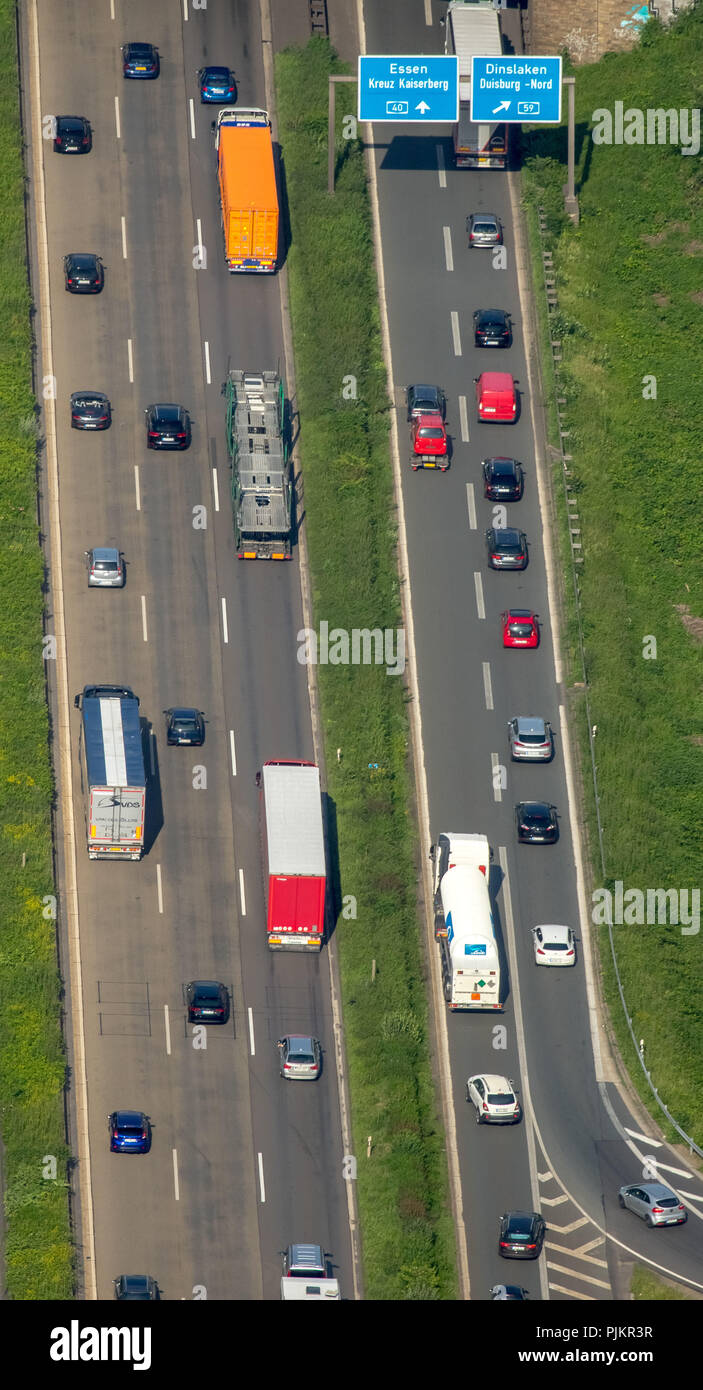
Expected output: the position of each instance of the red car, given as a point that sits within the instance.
(520, 628)
(429, 441)
(496, 397)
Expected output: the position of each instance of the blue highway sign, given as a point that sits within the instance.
(516, 88)
(408, 88)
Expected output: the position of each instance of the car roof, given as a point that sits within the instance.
(496, 381)
(654, 1189)
(518, 1217)
(421, 388)
(106, 552)
(206, 986)
(429, 417)
(166, 407)
(535, 806)
(88, 396)
(300, 1042)
(499, 313)
(504, 464)
(493, 1081)
(129, 1117)
(484, 217)
(519, 613)
(212, 70)
(135, 1281)
(139, 47)
(184, 712)
(508, 535)
(530, 724)
(553, 931)
(77, 120)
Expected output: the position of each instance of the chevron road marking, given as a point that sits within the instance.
(574, 1274)
(571, 1293)
(573, 1226)
(576, 1254)
(553, 1201)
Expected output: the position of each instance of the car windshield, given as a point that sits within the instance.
(531, 738)
(484, 226)
(521, 629)
(502, 1098)
(186, 723)
(509, 547)
(304, 1058)
(536, 816)
(431, 432)
(556, 945)
(667, 1201)
(105, 565)
(520, 1228)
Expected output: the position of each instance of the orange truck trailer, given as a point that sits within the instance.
(248, 195)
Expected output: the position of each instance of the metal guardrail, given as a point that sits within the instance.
(577, 558)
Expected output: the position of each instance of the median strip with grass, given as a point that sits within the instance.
(630, 288)
(37, 1239)
(407, 1234)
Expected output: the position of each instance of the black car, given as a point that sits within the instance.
(167, 427)
(84, 273)
(521, 1235)
(185, 725)
(208, 1002)
(73, 135)
(425, 400)
(136, 1288)
(90, 410)
(536, 822)
(507, 548)
(140, 60)
(503, 479)
(217, 85)
(492, 328)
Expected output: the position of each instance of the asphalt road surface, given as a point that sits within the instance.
(242, 1163)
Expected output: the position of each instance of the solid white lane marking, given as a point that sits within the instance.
(448, 255)
(572, 1293)
(112, 9)
(144, 628)
(225, 629)
(487, 686)
(233, 753)
(456, 337)
(497, 793)
(215, 489)
(130, 359)
(117, 118)
(441, 167)
(252, 1044)
(242, 898)
(471, 504)
(428, 12)
(136, 487)
(576, 1274)
(124, 238)
(168, 1031)
(175, 1175)
(464, 420)
(159, 889)
(208, 378)
(192, 118)
(262, 1188)
(478, 585)
(653, 1143)
(199, 231)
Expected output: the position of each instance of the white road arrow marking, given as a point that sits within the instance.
(655, 1143)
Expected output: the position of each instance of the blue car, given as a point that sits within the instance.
(130, 1132)
(140, 60)
(217, 85)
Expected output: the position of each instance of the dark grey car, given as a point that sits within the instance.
(507, 548)
(90, 410)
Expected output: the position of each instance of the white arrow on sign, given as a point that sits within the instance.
(504, 106)
(422, 106)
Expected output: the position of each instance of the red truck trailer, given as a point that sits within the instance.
(294, 851)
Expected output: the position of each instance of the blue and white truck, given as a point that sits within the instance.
(113, 778)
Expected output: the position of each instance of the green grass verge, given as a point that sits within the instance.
(407, 1235)
(38, 1255)
(646, 1286)
(630, 287)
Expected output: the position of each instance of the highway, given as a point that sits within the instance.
(242, 1163)
(570, 1159)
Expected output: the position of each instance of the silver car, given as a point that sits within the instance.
(530, 739)
(484, 229)
(655, 1203)
(105, 567)
(300, 1057)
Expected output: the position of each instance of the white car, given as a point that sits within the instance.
(494, 1100)
(554, 945)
